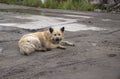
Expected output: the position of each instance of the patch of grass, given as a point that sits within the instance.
(50, 4)
(22, 11)
(68, 5)
(83, 5)
(60, 4)
(33, 3)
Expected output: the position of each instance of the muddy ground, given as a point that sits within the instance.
(96, 54)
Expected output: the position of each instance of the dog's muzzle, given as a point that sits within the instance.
(57, 40)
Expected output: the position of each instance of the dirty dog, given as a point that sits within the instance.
(43, 41)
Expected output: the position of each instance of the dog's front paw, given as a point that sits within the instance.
(61, 47)
(42, 49)
(72, 44)
(48, 49)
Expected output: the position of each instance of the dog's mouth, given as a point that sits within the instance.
(56, 40)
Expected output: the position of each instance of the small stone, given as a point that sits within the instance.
(1, 50)
(89, 22)
(112, 55)
(94, 44)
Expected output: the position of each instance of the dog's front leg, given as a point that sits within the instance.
(61, 47)
(57, 46)
(67, 43)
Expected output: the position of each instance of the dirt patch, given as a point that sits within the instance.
(92, 55)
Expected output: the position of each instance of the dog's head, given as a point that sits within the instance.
(57, 34)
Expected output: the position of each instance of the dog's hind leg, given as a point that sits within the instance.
(26, 50)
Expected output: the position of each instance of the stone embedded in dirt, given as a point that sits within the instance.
(94, 44)
(112, 55)
(1, 50)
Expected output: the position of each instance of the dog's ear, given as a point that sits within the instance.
(62, 29)
(51, 30)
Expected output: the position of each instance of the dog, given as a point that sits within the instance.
(43, 41)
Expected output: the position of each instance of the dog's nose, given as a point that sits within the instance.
(57, 39)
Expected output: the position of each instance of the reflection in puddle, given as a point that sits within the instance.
(39, 21)
(106, 20)
(78, 27)
(7, 24)
(79, 16)
(69, 27)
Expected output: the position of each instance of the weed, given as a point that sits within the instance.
(60, 4)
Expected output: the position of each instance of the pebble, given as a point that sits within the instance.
(1, 50)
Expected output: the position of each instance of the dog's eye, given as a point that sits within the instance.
(54, 34)
(58, 34)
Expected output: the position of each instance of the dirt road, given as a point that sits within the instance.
(96, 54)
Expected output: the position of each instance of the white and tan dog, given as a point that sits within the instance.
(52, 38)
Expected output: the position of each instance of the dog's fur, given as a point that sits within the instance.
(52, 38)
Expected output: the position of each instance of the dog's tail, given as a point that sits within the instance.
(26, 48)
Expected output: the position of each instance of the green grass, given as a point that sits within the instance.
(59, 4)
(50, 4)
(33, 3)
(37, 12)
